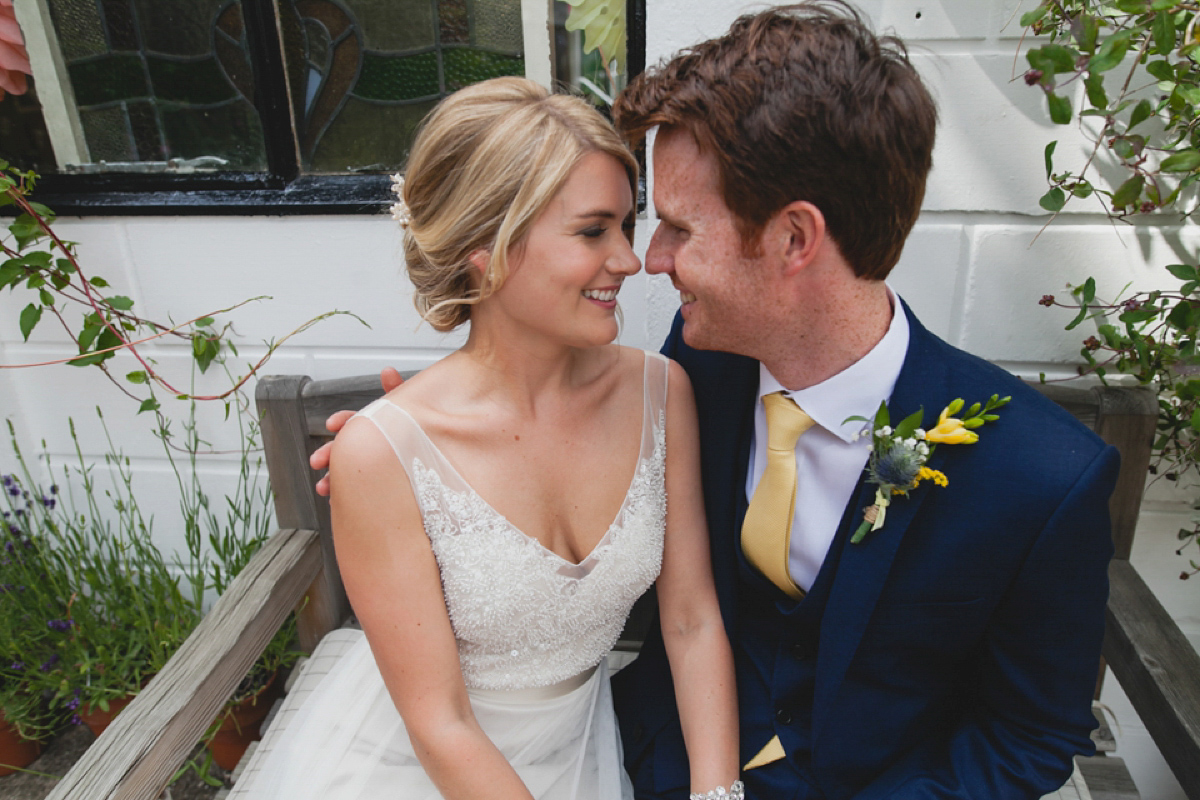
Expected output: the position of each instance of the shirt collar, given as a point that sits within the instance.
(857, 390)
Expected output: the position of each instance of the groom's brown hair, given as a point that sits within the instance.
(802, 102)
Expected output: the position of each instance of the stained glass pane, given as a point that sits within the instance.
(155, 81)
(364, 72)
(24, 140)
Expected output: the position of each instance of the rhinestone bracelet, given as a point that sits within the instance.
(737, 791)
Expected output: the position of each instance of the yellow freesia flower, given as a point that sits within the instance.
(603, 26)
(950, 430)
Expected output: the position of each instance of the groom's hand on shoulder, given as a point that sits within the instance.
(390, 378)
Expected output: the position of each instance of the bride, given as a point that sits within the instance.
(496, 517)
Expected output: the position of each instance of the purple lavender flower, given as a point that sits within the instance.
(18, 665)
(60, 624)
(48, 502)
(73, 703)
(50, 662)
(54, 488)
(14, 490)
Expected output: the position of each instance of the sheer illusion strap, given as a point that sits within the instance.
(655, 401)
(411, 444)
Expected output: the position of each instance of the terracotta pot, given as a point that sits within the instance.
(15, 752)
(97, 719)
(240, 726)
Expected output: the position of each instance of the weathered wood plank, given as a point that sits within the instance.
(323, 398)
(1127, 419)
(1107, 778)
(149, 740)
(297, 505)
(1158, 669)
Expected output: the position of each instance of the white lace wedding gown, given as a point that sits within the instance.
(532, 631)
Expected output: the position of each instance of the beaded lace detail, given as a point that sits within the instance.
(524, 616)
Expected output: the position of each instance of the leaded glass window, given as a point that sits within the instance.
(258, 95)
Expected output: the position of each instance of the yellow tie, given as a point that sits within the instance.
(767, 529)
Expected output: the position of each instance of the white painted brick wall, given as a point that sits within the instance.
(973, 270)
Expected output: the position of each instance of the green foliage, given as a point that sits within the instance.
(1139, 61)
(90, 608)
(34, 259)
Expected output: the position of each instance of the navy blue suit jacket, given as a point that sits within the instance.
(959, 645)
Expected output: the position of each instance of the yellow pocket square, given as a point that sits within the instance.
(772, 752)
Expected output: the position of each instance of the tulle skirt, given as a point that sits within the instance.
(348, 742)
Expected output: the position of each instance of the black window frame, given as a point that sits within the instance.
(280, 191)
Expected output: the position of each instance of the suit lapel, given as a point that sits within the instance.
(864, 567)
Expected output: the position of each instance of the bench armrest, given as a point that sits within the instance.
(1158, 669)
(148, 741)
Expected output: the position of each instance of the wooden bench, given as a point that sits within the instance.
(147, 743)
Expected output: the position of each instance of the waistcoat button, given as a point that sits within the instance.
(783, 715)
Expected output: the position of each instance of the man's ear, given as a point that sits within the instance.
(799, 234)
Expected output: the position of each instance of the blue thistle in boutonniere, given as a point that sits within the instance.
(898, 455)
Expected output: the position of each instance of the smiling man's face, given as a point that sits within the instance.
(723, 292)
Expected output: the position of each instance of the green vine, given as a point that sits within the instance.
(39, 261)
(1139, 64)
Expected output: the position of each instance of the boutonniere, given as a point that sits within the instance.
(899, 455)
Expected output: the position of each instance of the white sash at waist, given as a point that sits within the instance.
(535, 694)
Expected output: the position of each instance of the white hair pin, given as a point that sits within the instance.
(400, 211)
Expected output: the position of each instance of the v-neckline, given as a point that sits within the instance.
(537, 542)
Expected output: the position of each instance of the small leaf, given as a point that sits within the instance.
(1122, 147)
(1185, 272)
(46, 298)
(1049, 157)
(204, 322)
(1060, 108)
(1111, 53)
(1094, 84)
(1138, 315)
(1183, 161)
(30, 316)
(1053, 58)
(1161, 70)
(138, 377)
(909, 424)
(1030, 17)
(1053, 200)
(98, 282)
(120, 302)
(1163, 31)
(881, 416)
(87, 360)
(1086, 33)
(1088, 291)
(1141, 112)
(148, 405)
(1129, 192)
(11, 271)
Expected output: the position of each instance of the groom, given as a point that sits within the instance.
(952, 652)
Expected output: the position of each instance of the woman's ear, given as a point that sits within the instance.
(480, 259)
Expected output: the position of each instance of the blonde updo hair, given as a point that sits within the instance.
(485, 164)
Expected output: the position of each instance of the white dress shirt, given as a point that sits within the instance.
(828, 459)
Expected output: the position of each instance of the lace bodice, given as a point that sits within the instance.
(522, 615)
